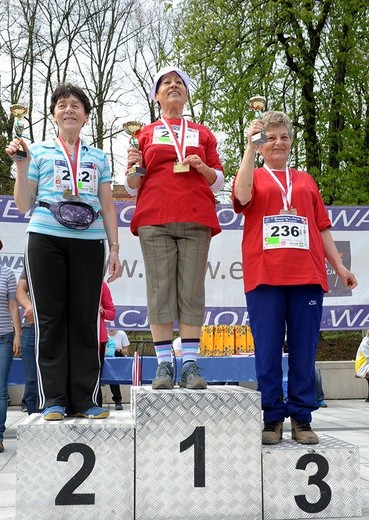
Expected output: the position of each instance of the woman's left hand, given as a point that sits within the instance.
(347, 277)
(195, 162)
(115, 267)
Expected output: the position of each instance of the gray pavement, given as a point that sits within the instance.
(347, 420)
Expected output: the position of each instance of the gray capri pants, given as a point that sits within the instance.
(175, 257)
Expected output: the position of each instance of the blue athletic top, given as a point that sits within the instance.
(49, 169)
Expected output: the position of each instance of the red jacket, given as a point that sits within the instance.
(106, 303)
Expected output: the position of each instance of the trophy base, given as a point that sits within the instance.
(20, 154)
(136, 171)
(259, 138)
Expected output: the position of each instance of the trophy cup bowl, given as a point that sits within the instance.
(18, 111)
(132, 128)
(257, 104)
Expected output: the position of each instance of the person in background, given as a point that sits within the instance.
(10, 338)
(175, 219)
(362, 361)
(107, 312)
(319, 389)
(362, 358)
(69, 183)
(177, 346)
(28, 345)
(286, 240)
(121, 342)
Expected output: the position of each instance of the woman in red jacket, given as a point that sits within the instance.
(175, 219)
(286, 240)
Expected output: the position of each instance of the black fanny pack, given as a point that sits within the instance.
(72, 214)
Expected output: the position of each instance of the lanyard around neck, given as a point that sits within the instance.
(180, 141)
(72, 163)
(286, 194)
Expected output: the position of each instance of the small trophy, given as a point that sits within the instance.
(19, 111)
(257, 103)
(133, 128)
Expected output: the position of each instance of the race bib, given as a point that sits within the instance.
(285, 231)
(162, 136)
(87, 179)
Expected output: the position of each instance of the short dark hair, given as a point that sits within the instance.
(64, 90)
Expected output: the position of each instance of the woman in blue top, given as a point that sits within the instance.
(69, 182)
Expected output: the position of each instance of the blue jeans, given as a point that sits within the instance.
(29, 366)
(6, 358)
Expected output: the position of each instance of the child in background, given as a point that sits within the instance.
(121, 341)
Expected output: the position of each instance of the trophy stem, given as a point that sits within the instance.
(19, 111)
(257, 104)
(132, 128)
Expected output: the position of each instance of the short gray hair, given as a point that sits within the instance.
(274, 118)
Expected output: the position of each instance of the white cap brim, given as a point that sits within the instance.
(166, 70)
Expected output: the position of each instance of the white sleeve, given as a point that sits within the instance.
(124, 341)
(131, 191)
(219, 181)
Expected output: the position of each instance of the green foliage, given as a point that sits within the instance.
(308, 58)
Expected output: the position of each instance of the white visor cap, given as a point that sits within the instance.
(166, 70)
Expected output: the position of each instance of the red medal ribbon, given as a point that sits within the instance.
(72, 163)
(179, 144)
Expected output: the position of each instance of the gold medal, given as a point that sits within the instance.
(290, 211)
(180, 167)
(67, 193)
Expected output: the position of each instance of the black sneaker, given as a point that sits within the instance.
(164, 377)
(118, 405)
(191, 378)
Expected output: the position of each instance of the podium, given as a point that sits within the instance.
(180, 454)
(197, 453)
(316, 481)
(75, 468)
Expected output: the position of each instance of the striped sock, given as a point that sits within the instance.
(163, 351)
(190, 348)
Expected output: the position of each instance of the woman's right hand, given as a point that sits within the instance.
(134, 156)
(255, 127)
(12, 149)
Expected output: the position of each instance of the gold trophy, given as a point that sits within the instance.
(19, 111)
(133, 128)
(257, 103)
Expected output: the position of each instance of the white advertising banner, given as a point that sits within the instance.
(225, 301)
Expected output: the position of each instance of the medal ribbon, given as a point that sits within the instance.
(72, 164)
(179, 144)
(286, 195)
